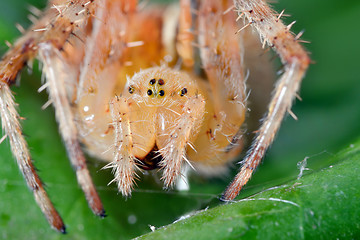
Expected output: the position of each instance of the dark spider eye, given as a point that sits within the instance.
(131, 89)
(161, 92)
(152, 81)
(149, 92)
(161, 82)
(183, 92)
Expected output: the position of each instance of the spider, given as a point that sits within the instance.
(150, 87)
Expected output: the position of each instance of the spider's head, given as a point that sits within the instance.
(160, 83)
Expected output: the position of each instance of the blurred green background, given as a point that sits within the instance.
(328, 115)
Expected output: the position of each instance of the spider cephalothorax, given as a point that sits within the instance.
(161, 87)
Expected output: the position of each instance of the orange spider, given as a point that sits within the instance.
(160, 87)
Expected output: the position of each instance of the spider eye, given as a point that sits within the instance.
(152, 81)
(161, 81)
(183, 92)
(161, 92)
(149, 92)
(131, 89)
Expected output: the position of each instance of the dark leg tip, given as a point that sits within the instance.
(102, 214)
(63, 230)
(223, 198)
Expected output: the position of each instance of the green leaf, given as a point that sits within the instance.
(321, 205)
(329, 119)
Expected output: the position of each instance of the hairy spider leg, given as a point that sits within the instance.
(185, 126)
(123, 165)
(54, 28)
(19, 147)
(295, 61)
(57, 72)
(222, 60)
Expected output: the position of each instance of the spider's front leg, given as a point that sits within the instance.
(222, 59)
(123, 166)
(57, 73)
(178, 136)
(295, 61)
(47, 37)
(10, 123)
